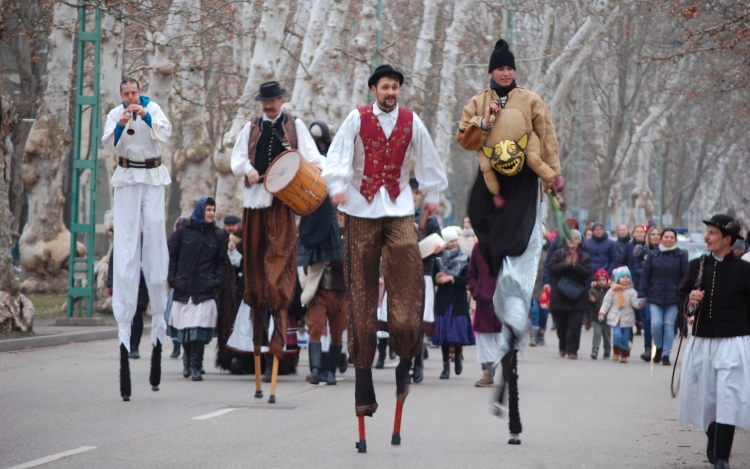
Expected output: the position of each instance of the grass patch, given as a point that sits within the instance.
(49, 305)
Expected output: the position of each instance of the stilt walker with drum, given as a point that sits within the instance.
(367, 171)
(269, 235)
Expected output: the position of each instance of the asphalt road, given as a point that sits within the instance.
(575, 414)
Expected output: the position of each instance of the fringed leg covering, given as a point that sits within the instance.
(124, 374)
(155, 376)
(402, 390)
(364, 392)
(510, 372)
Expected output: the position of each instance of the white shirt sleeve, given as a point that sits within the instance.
(240, 162)
(428, 169)
(161, 128)
(234, 257)
(306, 145)
(339, 171)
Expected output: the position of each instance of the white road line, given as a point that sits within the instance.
(54, 457)
(213, 414)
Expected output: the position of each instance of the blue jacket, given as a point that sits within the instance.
(633, 257)
(662, 276)
(603, 253)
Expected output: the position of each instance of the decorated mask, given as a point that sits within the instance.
(507, 157)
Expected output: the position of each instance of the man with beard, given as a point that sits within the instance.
(367, 171)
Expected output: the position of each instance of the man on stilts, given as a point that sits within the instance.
(715, 378)
(269, 235)
(134, 131)
(367, 172)
(511, 130)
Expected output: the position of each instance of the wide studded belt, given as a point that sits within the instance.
(148, 164)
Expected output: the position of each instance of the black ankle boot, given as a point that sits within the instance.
(646, 355)
(418, 375)
(446, 370)
(334, 352)
(196, 358)
(459, 366)
(657, 355)
(186, 359)
(266, 378)
(382, 346)
(314, 352)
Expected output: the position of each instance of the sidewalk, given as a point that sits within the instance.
(48, 334)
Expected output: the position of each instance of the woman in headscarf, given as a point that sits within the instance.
(452, 318)
(197, 261)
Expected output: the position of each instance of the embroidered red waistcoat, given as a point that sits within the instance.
(384, 157)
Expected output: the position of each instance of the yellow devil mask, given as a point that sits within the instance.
(507, 157)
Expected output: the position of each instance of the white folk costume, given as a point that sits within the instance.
(138, 183)
(369, 161)
(269, 235)
(514, 152)
(715, 378)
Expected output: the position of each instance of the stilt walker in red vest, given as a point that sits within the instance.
(367, 171)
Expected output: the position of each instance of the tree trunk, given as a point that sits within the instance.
(304, 88)
(422, 66)
(363, 45)
(445, 125)
(270, 33)
(45, 241)
(113, 42)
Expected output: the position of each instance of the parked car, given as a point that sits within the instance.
(694, 249)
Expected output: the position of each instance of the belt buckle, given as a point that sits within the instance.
(124, 162)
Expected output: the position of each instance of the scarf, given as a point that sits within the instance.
(663, 248)
(199, 213)
(502, 90)
(618, 289)
(453, 261)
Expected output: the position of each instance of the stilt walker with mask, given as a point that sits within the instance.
(510, 129)
(134, 132)
(269, 235)
(367, 171)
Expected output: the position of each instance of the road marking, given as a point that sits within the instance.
(214, 414)
(54, 457)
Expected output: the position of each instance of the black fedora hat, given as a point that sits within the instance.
(270, 90)
(384, 69)
(727, 225)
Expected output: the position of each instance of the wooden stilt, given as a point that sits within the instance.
(396, 438)
(274, 379)
(361, 445)
(258, 389)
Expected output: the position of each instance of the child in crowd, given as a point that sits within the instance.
(601, 330)
(618, 308)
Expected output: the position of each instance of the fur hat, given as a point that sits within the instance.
(501, 55)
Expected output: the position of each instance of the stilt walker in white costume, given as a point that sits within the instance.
(134, 131)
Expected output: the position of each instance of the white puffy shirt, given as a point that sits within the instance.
(141, 146)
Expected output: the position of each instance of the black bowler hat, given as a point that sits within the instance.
(270, 90)
(727, 225)
(384, 69)
(232, 219)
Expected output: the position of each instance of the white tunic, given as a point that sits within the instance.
(256, 195)
(141, 146)
(339, 171)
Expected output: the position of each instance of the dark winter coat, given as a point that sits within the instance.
(452, 293)
(633, 257)
(482, 287)
(596, 305)
(579, 273)
(620, 245)
(603, 253)
(197, 261)
(662, 276)
(546, 277)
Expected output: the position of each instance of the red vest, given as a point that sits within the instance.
(384, 157)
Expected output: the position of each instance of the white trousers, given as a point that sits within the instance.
(715, 382)
(488, 344)
(139, 209)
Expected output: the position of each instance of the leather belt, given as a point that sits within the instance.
(148, 164)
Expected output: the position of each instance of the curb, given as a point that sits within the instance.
(10, 345)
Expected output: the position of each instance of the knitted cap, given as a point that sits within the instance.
(596, 225)
(620, 271)
(601, 272)
(501, 55)
(449, 234)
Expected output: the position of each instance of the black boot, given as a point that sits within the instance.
(723, 445)
(176, 350)
(266, 378)
(125, 387)
(134, 350)
(665, 360)
(419, 366)
(711, 434)
(646, 356)
(196, 358)
(382, 346)
(314, 351)
(446, 370)
(657, 356)
(391, 352)
(343, 362)
(186, 359)
(334, 352)
(457, 359)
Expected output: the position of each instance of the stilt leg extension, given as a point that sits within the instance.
(361, 445)
(274, 379)
(258, 390)
(396, 438)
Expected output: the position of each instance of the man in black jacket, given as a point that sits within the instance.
(715, 380)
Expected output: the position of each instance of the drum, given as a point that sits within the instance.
(296, 182)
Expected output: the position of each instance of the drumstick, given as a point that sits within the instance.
(423, 221)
